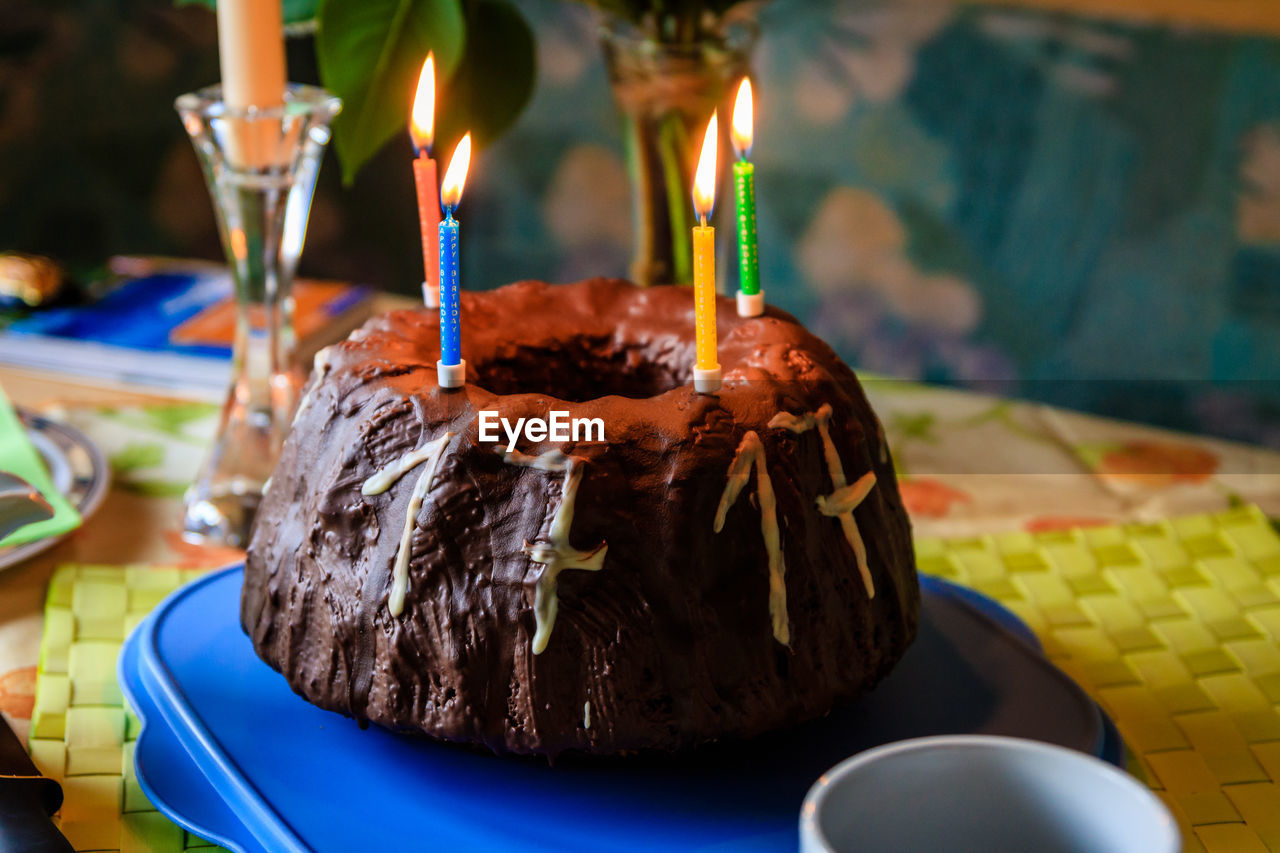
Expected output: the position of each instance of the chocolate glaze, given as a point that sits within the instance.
(671, 641)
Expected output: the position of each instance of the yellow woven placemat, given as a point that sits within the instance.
(81, 732)
(1173, 627)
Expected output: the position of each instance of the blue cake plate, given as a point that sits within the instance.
(230, 753)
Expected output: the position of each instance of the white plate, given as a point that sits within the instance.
(78, 470)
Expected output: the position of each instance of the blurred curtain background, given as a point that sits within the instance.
(1036, 201)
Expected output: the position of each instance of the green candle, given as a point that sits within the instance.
(744, 183)
(750, 298)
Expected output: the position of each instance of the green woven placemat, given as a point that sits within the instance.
(1173, 627)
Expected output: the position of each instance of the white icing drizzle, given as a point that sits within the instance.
(844, 499)
(848, 498)
(386, 477)
(751, 454)
(431, 453)
(552, 460)
(586, 715)
(739, 474)
(321, 361)
(798, 423)
(321, 367)
(556, 553)
(303, 405)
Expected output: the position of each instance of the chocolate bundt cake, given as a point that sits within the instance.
(718, 565)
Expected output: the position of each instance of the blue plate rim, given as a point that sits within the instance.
(143, 639)
(211, 757)
(126, 670)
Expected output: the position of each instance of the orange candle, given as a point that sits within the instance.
(706, 371)
(422, 132)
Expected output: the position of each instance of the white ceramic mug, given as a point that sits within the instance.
(982, 793)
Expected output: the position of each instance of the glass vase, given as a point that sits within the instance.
(666, 90)
(260, 166)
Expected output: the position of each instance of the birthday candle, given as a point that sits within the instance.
(451, 369)
(422, 132)
(706, 371)
(450, 327)
(750, 299)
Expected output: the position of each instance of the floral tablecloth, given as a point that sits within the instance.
(969, 466)
(973, 464)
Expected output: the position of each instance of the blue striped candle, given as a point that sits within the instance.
(451, 369)
(450, 314)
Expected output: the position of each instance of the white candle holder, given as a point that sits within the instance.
(750, 304)
(707, 380)
(451, 375)
(260, 166)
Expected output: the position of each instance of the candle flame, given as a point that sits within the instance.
(704, 181)
(422, 121)
(743, 120)
(456, 176)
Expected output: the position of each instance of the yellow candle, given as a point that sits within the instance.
(706, 373)
(704, 294)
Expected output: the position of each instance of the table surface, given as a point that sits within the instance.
(969, 465)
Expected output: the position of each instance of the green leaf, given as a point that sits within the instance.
(173, 418)
(295, 11)
(155, 488)
(370, 53)
(300, 10)
(494, 80)
(918, 425)
(136, 455)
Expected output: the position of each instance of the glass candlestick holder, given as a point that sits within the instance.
(260, 166)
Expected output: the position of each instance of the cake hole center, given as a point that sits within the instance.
(584, 368)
